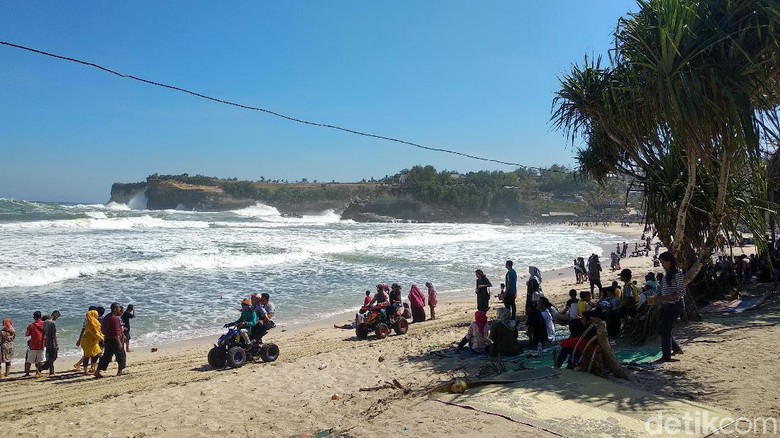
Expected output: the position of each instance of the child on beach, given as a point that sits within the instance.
(126, 317)
(367, 299)
(571, 305)
(432, 299)
(7, 337)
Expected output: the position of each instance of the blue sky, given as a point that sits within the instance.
(476, 77)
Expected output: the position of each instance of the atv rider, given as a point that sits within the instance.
(395, 299)
(247, 320)
(380, 301)
(264, 310)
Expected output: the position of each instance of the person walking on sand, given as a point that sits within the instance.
(433, 300)
(34, 345)
(417, 303)
(7, 337)
(77, 365)
(594, 273)
(51, 341)
(510, 294)
(112, 327)
(671, 301)
(91, 339)
(482, 290)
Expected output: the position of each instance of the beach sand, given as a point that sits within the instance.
(315, 386)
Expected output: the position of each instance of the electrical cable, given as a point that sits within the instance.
(270, 112)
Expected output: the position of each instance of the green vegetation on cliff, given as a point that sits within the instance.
(419, 193)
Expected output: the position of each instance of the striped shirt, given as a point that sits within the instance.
(676, 288)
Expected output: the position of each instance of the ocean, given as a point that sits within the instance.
(187, 272)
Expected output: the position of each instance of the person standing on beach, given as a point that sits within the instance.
(51, 342)
(577, 273)
(432, 299)
(112, 329)
(7, 337)
(533, 286)
(126, 317)
(594, 273)
(34, 345)
(482, 290)
(417, 303)
(510, 294)
(671, 302)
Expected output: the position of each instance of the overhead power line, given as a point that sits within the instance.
(267, 111)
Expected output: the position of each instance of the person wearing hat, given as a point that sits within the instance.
(247, 320)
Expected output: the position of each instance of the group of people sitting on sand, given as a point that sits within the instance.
(101, 339)
(615, 304)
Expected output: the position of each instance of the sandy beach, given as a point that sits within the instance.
(327, 383)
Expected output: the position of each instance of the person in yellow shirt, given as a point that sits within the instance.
(630, 294)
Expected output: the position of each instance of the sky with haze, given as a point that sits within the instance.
(475, 77)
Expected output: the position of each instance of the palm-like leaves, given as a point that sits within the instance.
(689, 96)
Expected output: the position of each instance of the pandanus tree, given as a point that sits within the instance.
(685, 105)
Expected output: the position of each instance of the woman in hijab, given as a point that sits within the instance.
(91, 340)
(7, 336)
(534, 291)
(503, 333)
(432, 299)
(482, 290)
(417, 303)
(477, 336)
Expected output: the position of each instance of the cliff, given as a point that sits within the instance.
(417, 194)
(167, 194)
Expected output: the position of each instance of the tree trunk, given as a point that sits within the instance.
(705, 252)
(682, 213)
(606, 349)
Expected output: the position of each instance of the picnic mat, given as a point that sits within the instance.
(736, 306)
(576, 404)
(628, 356)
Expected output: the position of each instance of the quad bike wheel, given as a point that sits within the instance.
(361, 331)
(382, 330)
(217, 357)
(236, 357)
(401, 326)
(269, 352)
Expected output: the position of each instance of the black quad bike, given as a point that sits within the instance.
(231, 350)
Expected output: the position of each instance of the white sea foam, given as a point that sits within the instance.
(114, 206)
(195, 262)
(100, 221)
(258, 211)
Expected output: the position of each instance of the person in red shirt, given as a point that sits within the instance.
(114, 340)
(367, 299)
(34, 345)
